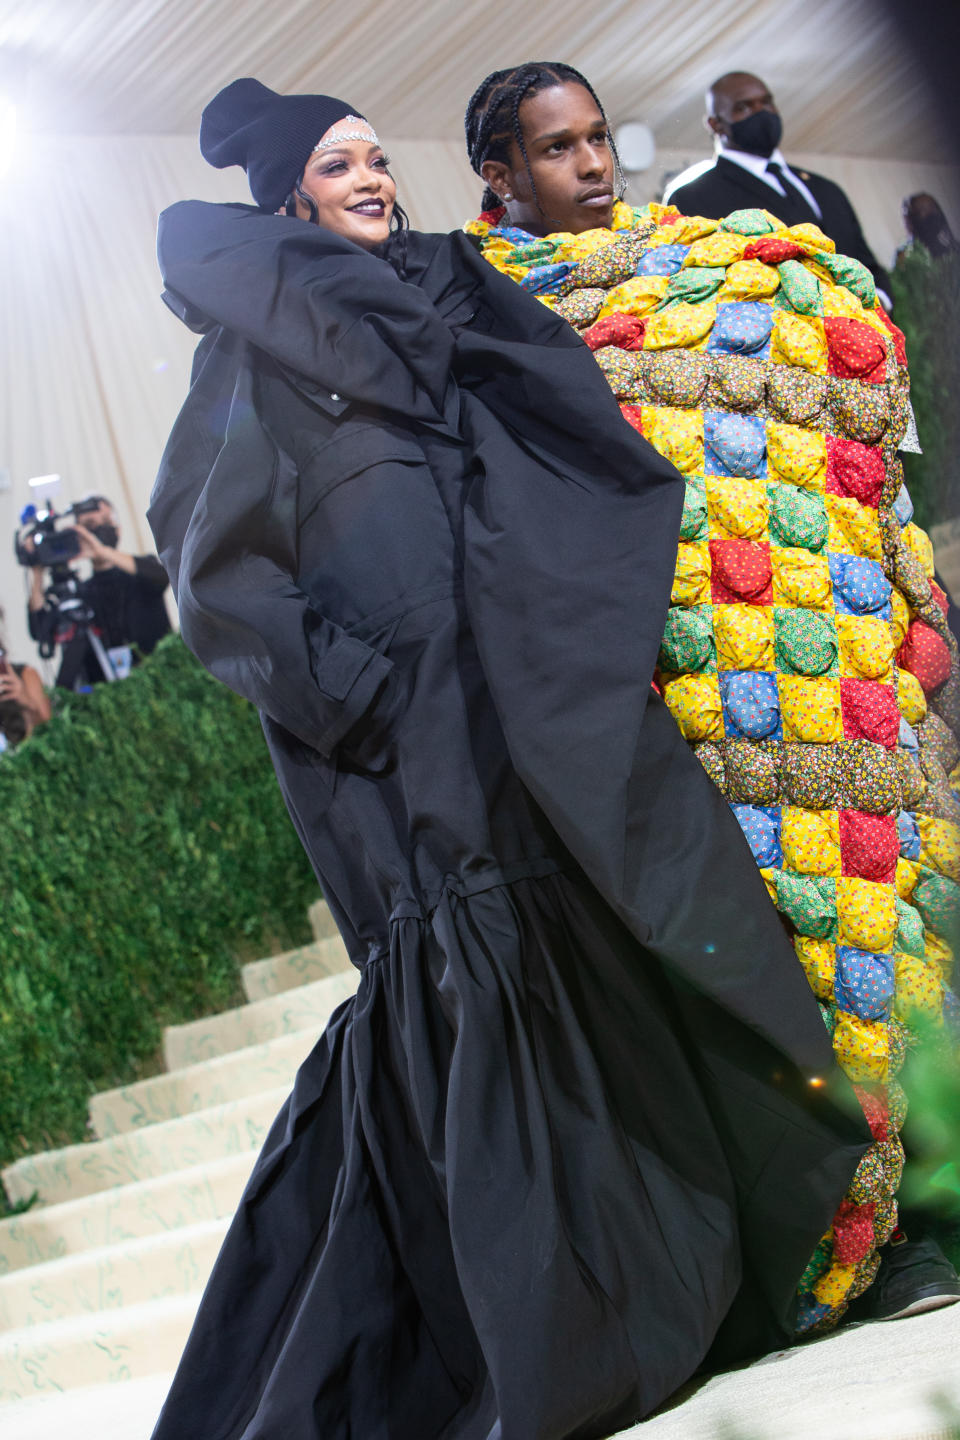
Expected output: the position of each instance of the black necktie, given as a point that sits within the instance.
(793, 209)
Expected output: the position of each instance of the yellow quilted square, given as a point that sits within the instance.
(811, 235)
(691, 228)
(691, 579)
(835, 1284)
(737, 509)
(677, 434)
(938, 952)
(770, 880)
(819, 960)
(694, 703)
(749, 280)
(810, 841)
(919, 989)
(640, 296)
(720, 248)
(910, 698)
(801, 579)
(899, 617)
(681, 326)
(837, 299)
(862, 1048)
(799, 340)
(919, 544)
(854, 528)
(744, 636)
(811, 712)
(798, 456)
(908, 873)
(867, 913)
(866, 647)
(940, 845)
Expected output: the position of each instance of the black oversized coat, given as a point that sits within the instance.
(563, 1141)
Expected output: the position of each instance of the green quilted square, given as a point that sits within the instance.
(847, 271)
(805, 643)
(696, 284)
(910, 935)
(747, 222)
(688, 645)
(798, 518)
(809, 903)
(800, 288)
(693, 524)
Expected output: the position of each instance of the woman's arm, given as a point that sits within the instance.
(314, 301)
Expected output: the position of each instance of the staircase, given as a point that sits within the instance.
(100, 1281)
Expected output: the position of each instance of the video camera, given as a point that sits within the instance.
(43, 540)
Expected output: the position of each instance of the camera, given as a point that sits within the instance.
(43, 540)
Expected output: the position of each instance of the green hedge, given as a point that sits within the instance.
(144, 850)
(926, 296)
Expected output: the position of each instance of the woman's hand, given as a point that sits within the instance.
(12, 687)
(27, 691)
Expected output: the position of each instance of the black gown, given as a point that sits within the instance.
(563, 1143)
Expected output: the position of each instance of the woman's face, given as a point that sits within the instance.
(570, 160)
(352, 189)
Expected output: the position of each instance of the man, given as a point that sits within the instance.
(750, 171)
(125, 593)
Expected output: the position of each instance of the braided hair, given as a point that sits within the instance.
(492, 120)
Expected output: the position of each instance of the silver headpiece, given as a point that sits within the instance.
(339, 136)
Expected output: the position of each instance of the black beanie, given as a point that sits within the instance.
(272, 136)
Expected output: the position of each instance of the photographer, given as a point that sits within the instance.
(23, 702)
(124, 592)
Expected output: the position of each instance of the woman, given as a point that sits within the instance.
(806, 654)
(559, 1145)
(24, 704)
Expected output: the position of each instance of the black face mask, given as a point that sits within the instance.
(758, 134)
(107, 535)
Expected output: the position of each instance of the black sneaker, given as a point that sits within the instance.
(914, 1276)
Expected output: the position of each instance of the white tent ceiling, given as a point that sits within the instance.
(840, 74)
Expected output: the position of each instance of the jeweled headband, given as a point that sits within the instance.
(339, 136)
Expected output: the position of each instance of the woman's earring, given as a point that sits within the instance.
(507, 195)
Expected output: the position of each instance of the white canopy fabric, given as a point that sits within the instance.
(93, 367)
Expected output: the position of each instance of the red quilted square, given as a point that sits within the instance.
(855, 350)
(852, 1232)
(870, 712)
(773, 251)
(869, 846)
(741, 572)
(925, 655)
(623, 330)
(876, 1110)
(939, 597)
(897, 336)
(854, 469)
(633, 415)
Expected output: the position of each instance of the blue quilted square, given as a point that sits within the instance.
(743, 328)
(734, 444)
(761, 826)
(751, 705)
(864, 983)
(859, 586)
(662, 260)
(909, 833)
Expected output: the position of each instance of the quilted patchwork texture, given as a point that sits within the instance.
(806, 655)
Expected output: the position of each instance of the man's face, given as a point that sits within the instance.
(103, 515)
(734, 98)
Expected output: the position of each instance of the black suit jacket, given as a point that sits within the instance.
(727, 186)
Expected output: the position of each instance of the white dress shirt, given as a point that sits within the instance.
(757, 165)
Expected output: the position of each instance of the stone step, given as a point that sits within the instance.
(151, 1207)
(198, 1087)
(230, 1129)
(296, 967)
(322, 922)
(123, 1411)
(97, 1349)
(307, 1008)
(154, 1267)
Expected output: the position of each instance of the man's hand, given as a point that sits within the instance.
(12, 687)
(104, 557)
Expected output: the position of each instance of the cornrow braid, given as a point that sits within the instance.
(492, 118)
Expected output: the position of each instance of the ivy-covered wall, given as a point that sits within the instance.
(144, 850)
